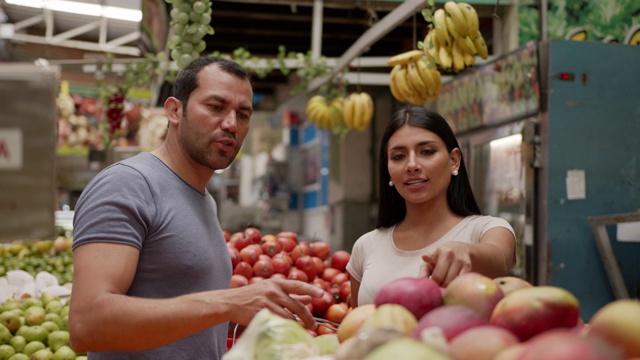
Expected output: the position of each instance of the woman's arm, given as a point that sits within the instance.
(355, 287)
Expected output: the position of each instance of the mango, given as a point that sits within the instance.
(619, 323)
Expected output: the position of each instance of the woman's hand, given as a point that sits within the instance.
(444, 263)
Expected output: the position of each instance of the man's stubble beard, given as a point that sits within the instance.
(198, 147)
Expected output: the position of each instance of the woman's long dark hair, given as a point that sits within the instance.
(392, 207)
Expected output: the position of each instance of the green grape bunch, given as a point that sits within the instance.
(190, 22)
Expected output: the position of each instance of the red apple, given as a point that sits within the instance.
(619, 323)
(528, 312)
(419, 295)
(509, 284)
(452, 319)
(474, 290)
(481, 343)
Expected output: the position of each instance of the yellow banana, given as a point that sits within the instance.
(417, 83)
(471, 17)
(347, 112)
(445, 58)
(404, 58)
(427, 77)
(451, 27)
(358, 110)
(469, 60)
(481, 46)
(431, 47)
(467, 46)
(367, 102)
(336, 109)
(401, 82)
(393, 85)
(457, 57)
(437, 80)
(444, 40)
(414, 96)
(457, 16)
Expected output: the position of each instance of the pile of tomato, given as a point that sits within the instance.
(256, 256)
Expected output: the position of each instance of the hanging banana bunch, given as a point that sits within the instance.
(412, 80)
(325, 114)
(357, 111)
(455, 40)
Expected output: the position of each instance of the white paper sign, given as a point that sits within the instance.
(576, 187)
(629, 231)
(11, 149)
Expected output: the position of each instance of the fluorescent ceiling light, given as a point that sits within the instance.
(75, 7)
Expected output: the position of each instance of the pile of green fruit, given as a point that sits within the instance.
(53, 256)
(36, 329)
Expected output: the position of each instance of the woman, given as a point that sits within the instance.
(429, 223)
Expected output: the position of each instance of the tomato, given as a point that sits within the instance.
(322, 330)
(234, 254)
(281, 265)
(340, 278)
(322, 304)
(317, 265)
(253, 234)
(284, 256)
(328, 273)
(286, 243)
(227, 236)
(320, 283)
(263, 268)
(297, 274)
(238, 281)
(255, 279)
(320, 249)
(268, 238)
(240, 240)
(250, 254)
(288, 234)
(336, 312)
(243, 269)
(345, 290)
(271, 248)
(305, 263)
(339, 260)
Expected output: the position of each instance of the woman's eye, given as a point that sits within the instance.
(397, 156)
(428, 151)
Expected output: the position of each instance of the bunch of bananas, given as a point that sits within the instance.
(455, 40)
(357, 111)
(325, 114)
(412, 79)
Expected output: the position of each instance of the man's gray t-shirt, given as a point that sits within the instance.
(141, 202)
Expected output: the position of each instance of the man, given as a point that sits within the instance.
(152, 271)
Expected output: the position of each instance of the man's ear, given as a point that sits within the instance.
(173, 109)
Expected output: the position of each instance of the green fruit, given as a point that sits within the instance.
(5, 335)
(32, 347)
(54, 318)
(31, 302)
(64, 353)
(44, 354)
(18, 342)
(10, 320)
(18, 311)
(65, 323)
(58, 339)
(19, 356)
(6, 351)
(46, 298)
(35, 333)
(21, 330)
(50, 326)
(34, 315)
(64, 311)
(82, 357)
(54, 306)
(11, 304)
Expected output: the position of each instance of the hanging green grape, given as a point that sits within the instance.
(190, 22)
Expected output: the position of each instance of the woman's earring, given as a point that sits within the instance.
(390, 183)
(455, 173)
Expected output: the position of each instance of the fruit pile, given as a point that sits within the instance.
(190, 22)
(36, 328)
(412, 79)
(53, 256)
(478, 318)
(353, 112)
(455, 40)
(256, 256)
